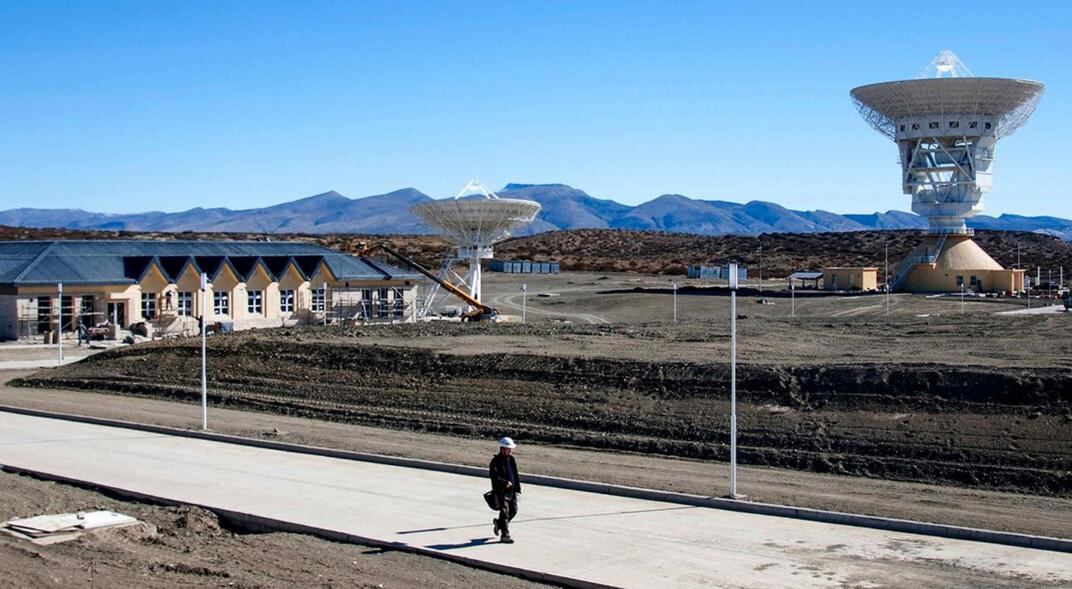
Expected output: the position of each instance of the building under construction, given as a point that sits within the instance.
(49, 287)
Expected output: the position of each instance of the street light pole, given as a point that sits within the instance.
(325, 303)
(674, 285)
(961, 298)
(793, 297)
(887, 275)
(733, 380)
(761, 269)
(524, 302)
(204, 364)
(59, 323)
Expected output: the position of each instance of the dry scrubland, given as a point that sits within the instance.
(965, 401)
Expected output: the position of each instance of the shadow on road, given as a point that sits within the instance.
(544, 519)
(469, 544)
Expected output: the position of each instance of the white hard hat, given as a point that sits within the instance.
(507, 443)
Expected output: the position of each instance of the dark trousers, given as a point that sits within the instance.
(507, 511)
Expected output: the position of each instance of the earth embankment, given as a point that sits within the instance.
(995, 427)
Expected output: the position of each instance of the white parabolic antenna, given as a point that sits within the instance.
(946, 124)
(474, 221)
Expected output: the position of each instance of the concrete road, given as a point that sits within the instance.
(597, 538)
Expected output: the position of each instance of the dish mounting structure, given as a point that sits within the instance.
(473, 221)
(946, 124)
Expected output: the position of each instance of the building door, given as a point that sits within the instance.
(117, 314)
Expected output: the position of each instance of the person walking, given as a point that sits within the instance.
(506, 484)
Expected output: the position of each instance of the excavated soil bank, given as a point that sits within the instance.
(1003, 428)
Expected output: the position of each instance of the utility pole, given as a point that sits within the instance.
(761, 268)
(204, 363)
(733, 380)
(793, 298)
(59, 323)
(887, 275)
(674, 286)
(324, 303)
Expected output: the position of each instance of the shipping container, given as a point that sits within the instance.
(523, 267)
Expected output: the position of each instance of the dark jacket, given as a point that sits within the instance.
(499, 471)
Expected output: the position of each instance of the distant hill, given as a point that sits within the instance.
(564, 207)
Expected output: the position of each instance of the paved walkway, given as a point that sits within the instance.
(1044, 310)
(37, 363)
(601, 539)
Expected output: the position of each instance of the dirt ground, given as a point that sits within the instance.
(645, 298)
(190, 547)
(964, 401)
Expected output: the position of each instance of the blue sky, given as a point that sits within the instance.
(122, 107)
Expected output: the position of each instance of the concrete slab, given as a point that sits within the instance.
(590, 537)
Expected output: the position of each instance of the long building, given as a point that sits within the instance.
(249, 284)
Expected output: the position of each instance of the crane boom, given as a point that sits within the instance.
(481, 311)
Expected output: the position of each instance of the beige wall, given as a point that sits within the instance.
(928, 278)
(850, 278)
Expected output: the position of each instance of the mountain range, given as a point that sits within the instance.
(564, 207)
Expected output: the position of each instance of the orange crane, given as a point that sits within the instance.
(480, 311)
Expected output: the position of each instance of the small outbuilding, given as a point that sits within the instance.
(860, 279)
(807, 278)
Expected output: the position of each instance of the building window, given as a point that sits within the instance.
(86, 310)
(67, 312)
(254, 302)
(915, 126)
(185, 307)
(318, 300)
(366, 302)
(933, 125)
(973, 125)
(148, 305)
(286, 301)
(987, 126)
(960, 281)
(221, 303)
(902, 128)
(399, 303)
(974, 281)
(44, 314)
(954, 124)
(382, 308)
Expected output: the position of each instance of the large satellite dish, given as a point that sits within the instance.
(473, 221)
(946, 124)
